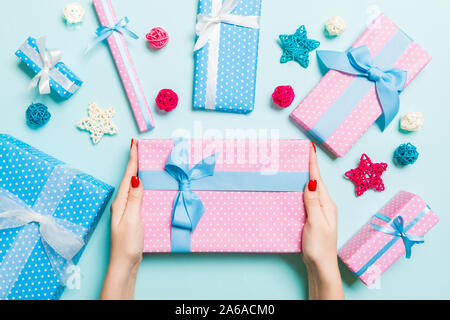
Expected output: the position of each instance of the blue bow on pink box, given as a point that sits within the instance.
(187, 208)
(389, 82)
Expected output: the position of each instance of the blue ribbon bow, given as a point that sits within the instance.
(104, 32)
(187, 208)
(397, 229)
(389, 82)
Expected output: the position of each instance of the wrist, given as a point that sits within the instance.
(325, 270)
(325, 281)
(120, 281)
(123, 268)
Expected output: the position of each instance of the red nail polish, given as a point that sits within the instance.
(312, 185)
(314, 146)
(132, 141)
(134, 182)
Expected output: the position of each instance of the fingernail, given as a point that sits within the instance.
(314, 146)
(132, 141)
(312, 185)
(135, 182)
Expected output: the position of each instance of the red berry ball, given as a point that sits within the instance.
(283, 96)
(158, 38)
(167, 100)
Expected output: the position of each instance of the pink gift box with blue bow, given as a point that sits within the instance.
(363, 84)
(223, 195)
(390, 234)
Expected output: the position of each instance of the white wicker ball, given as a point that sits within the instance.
(73, 13)
(335, 26)
(412, 121)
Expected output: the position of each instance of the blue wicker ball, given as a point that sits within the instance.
(406, 154)
(37, 114)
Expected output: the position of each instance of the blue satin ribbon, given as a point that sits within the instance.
(398, 231)
(104, 32)
(389, 82)
(187, 208)
(280, 181)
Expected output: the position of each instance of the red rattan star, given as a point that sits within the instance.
(367, 175)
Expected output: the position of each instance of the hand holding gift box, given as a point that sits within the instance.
(47, 213)
(51, 73)
(390, 234)
(362, 84)
(223, 195)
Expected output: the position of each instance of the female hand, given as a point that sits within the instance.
(127, 234)
(319, 238)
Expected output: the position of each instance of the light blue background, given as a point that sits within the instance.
(238, 276)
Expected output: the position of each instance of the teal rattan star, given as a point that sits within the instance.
(297, 47)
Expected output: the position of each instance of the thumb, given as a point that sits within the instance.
(135, 196)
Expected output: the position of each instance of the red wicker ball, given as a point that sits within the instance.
(167, 100)
(158, 38)
(283, 96)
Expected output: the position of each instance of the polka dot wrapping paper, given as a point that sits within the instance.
(26, 172)
(342, 107)
(369, 245)
(62, 80)
(233, 85)
(234, 220)
(125, 66)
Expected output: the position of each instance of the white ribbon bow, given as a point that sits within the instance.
(54, 232)
(49, 59)
(207, 24)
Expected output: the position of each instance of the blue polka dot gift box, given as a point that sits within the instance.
(226, 54)
(47, 214)
(50, 74)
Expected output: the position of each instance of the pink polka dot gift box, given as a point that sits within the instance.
(115, 30)
(47, 213)
(363, 84)
(395, 231)
(223, 195)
